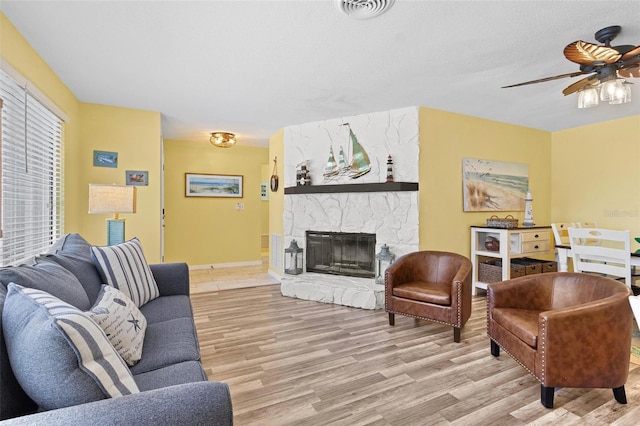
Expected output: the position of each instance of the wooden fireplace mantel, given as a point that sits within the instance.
(352, 187)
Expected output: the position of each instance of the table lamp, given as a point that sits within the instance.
(114, 199)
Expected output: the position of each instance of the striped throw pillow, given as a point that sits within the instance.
(59, 355)
(124, 267)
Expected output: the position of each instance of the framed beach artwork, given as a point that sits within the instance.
(494, 185)
(205, 185)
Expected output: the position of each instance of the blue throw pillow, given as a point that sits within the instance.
(124, 267)
(59, 355)
(49, 277)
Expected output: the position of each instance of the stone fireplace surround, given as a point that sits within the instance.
(388, 212)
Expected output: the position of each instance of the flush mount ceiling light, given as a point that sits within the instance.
(363, 9)
(222, 139)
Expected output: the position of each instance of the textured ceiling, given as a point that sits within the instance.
(253, 67)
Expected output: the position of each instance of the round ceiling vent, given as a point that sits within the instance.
(363, 9)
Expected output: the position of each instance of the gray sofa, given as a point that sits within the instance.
(173, 386)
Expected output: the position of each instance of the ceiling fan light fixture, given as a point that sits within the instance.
(611, 90)
(588, 97)
(622, 94)
(222, 139)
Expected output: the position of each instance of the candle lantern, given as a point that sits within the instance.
(384, 259)
(293, 259)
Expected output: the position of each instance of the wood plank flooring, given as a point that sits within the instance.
(295, 362)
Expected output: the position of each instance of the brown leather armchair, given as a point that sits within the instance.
(431, 285)
(567, 329)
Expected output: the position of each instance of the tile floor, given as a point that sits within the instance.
(215, 279)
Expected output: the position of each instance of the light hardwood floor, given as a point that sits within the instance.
(295, 362)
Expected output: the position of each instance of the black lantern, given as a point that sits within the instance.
(293, 259)
(384, 259)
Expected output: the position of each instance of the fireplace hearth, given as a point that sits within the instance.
(340, 253)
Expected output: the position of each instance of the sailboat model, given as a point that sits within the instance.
(332, 167)
(360, 164)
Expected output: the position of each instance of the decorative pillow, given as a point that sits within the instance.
(49, 277)
(59, 355)
(74, 254)
(122, 322)
(124, 267)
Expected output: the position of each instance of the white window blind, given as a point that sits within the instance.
(32, 213)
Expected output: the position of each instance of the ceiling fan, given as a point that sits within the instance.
(601, 62)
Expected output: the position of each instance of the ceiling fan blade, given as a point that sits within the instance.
(541, 80)
(630, 72)
(630, 54)
(584, 53)
(580, 84)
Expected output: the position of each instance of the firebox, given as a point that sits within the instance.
(341, 253)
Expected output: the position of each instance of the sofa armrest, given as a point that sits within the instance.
(594, 334)
(172, 278)
(461, 296)
(196, 403)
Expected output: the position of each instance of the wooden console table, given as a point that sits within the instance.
(513, 243)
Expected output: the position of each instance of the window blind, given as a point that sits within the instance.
(32, 205)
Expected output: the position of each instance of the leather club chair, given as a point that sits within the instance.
(567, 329)
(431, 285)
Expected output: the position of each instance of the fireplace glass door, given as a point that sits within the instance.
(341, 253)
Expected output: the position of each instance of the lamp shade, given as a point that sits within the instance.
(112, 198)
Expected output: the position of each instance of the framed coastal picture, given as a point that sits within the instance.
(105, 159)
(205, 185)
(494, 185)
(137, 177)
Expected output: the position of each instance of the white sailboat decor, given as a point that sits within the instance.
(358, 166)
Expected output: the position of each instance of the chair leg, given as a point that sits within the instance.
(392, 319)
(620, 395)
(456, 334)
(495, 349)
(546, 396)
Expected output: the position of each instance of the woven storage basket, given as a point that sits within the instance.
(491, 271)
(507, 222)
(531, 266)
(537, 266)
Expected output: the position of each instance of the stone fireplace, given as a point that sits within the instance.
(388, 212)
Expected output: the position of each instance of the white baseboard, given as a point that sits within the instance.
(275, 275)
(225, 265)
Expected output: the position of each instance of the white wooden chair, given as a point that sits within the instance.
(609, 254)
(593, 224)
(561, 237)
(561, 232)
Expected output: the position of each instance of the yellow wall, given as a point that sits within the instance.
(23, 58)
(206, 231)
(136, 136)
(595, 175)
(265, 173)
(445, 139)
(276, 199)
